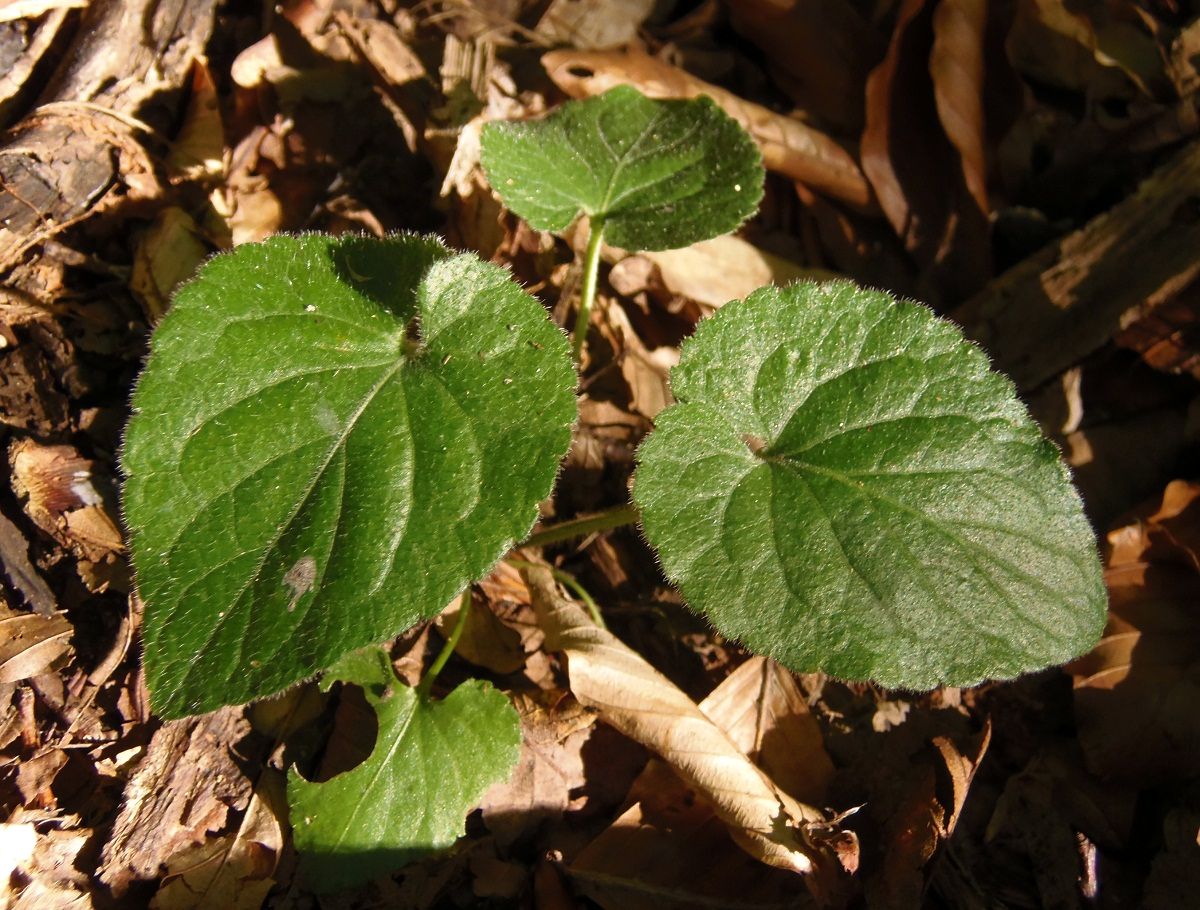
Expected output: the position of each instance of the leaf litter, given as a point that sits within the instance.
(1067, 133)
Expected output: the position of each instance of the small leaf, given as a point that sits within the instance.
(331, 438)
(432, 763)
(845, 485)
(661, 174)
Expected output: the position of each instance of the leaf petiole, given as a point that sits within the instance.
(616, 517)
(570, 581)
(587, 294)
(435, 668)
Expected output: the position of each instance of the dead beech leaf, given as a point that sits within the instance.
(956, 67)
(593, 24)
(788, 146)
(1087, 48)
(199, 147)
(761, 708)
(714, 272)
(633, 697)
(669, 849)
(553, 731)
(169, 252)
(1136, 693)
(916, 804)
(235, 870)
(916, 172)
(30, 643)
(47, 863)
(486, 641)
(820, 52)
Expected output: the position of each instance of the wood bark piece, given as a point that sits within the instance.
(641, 703)
(184, 789)
(84, 149)
(1072, 296)
(788, 146)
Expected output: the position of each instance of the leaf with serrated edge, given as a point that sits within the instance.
(661, 174)
(845, 485)
(432, 763)
(330, 439)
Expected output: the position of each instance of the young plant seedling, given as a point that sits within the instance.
(649, 175)
(331, 438)
(334, 437)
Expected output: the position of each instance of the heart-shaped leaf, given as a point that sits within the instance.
(432, 763)
(330, 439)
(659, 174)
(845, 485)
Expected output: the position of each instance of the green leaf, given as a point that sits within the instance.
(661, 174)
(330, 439)
(432, 763)
(845, 485)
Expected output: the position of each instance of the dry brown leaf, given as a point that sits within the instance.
(235, 870)
(1136, 693)
(593, 24)
(486, 641)
(917, 174)
(30, 643)
(669, 849)
(170, 251)
(645, 370)
(35, 776)
(47, 872)
(820, 52)
(14, 556)
(1090, 48)
(915, 800)
(633, 697)
(956, 65)
(554, 728)
(714, 272)
(766, 715)
(197, 153)
(788, 146)
(72, 499)
(383, 46)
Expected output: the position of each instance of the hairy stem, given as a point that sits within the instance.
(448, 648)
(588, 524)
(587, 295)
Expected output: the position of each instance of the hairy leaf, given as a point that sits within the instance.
(330, 439)
(661, 174)
(845, 485)
(432, 763)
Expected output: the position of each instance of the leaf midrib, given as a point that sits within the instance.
(269, 548)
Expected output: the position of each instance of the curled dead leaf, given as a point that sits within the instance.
(669, 849)
(637, 700)
(30, 644)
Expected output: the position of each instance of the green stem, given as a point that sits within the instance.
(587, 295)
(448, 648)
(570, 581)
(580, 527)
